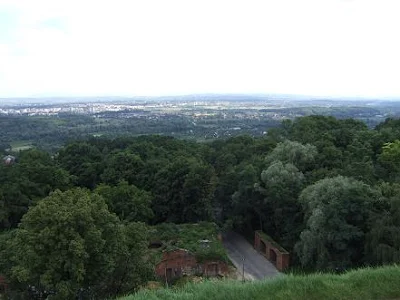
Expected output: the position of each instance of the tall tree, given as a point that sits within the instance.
(84, 161)
(302, 156)
(280, 185)
(69, 243)
(122, 165)
(390, 160)
(383, 240)
(183, 191)
(336, 213)
(23, 183)
(127, 201)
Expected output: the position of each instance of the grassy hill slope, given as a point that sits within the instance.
(368, 283)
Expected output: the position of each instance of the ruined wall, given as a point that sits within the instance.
(180, 262)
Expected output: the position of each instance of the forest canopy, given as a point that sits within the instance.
(326, 189)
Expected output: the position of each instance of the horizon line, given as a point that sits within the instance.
(204, 94)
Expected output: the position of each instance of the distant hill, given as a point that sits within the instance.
(190, 97)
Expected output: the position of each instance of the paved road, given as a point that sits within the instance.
(256, 266)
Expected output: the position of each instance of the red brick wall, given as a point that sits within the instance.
(285, 261)
(3, 284)
(257, 243)
(176, 260)
(181, 262)
(282, 259)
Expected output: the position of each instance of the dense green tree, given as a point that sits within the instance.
(41, 169)
(302, 156)
(84, 161)
(246, 211)
(336, 213)
(383, 240)
(358, 161)
(183, 191)
(14, 204)
(280, 185)
(70, 244)
(122, 165)
(389, 159)
(127, 201)
(32, 177)
(389, 130)
(245, 182)
(312, 128)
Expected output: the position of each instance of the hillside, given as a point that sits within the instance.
(80, 223)
(379, 283)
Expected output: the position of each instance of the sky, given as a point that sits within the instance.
(160, 47)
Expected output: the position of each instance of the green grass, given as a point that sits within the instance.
(20, 145)
(368, 283)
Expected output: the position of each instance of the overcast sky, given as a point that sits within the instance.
(167, 47)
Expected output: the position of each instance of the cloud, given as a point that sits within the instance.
(176, 46)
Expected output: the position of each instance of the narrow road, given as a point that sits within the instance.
(242, 252)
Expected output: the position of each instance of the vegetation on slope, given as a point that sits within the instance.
(327, 190)
(70, 245)
(201, 239)
(380, 283)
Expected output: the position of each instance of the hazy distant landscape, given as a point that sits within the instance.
(178, 149)
(47, 123)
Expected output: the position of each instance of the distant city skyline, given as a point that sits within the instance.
(331, 48)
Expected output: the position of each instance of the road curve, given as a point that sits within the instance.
(256, 266)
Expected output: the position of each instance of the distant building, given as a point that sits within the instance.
(9, 160)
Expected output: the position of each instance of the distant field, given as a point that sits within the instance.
(380, 283)
(20, 145)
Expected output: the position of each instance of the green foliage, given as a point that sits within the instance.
(383, 240)
(336, 212)
(22, 184)
(45, 132)
(184, 191)
(83, 161)
(280, 186)
(127, 201)
(122, 164)
(312, 128)
(69, 242)
(390, 160)
(328, 185)
(201, 239)
(245, 203)
(302, 156)
(281, 181)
